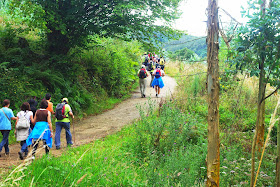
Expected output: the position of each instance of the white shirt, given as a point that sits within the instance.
(26, 113)
(161, 72)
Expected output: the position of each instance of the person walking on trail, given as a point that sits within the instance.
(33, 106)
(62, 113)
(142, 74)
(22, 128)
(50, 104)
(6, 115)
(152, 75)
(157, 82)
(162, 62)
(42, 129)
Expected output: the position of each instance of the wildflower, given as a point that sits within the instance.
(232, 171)
(202, 167)
(224, 167)
(105, 158)
(224, 173)
(242, 158)
(174, 143)
(163, 155)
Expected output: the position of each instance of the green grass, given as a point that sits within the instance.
(123, 159)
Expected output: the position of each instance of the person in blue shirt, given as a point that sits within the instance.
(6, 115)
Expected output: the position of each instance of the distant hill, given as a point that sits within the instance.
(194, 43)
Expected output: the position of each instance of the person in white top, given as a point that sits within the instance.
(24, 116)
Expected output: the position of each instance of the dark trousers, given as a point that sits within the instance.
(35, 146)
(5, 141)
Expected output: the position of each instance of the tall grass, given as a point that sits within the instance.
(132, 157)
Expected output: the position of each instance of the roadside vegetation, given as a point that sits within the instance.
(166, 146)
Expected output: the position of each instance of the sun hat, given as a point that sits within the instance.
(143, 66)
(65, 99)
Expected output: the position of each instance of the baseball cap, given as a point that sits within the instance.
(65, 99)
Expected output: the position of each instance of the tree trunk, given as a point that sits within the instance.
(213, 155)
(259, 133)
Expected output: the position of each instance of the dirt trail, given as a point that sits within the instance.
(95, 127)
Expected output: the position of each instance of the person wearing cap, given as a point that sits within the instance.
(142, 74)
(64, 123)
(157, 82)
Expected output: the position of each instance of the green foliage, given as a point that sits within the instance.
(258, 41)
(86, 79)
(181, 54)
(117, 161)
(69, 23)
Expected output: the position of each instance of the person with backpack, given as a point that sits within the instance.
(142, 74)
(162, 62)
(22, 126)
(6, 115)
(157, 82)
(33, 107)
(62, 113)
(42, 129)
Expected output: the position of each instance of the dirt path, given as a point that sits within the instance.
(95, 127)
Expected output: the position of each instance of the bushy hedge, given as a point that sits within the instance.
(105, 69)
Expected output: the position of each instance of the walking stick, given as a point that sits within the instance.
(73, 131)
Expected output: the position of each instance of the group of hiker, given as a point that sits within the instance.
(33, 125)
(155, 66)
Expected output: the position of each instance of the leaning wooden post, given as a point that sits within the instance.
(213, 87)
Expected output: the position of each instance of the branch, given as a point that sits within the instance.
(271, 93)
(230, 16)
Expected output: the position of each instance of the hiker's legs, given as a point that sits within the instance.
(68, 133)
(58, 127)
(24, 148)
(35, 146)
(5, 141)
(47, 149)
(144, 87)
(141, 83)
(152, 78)
(158, 90)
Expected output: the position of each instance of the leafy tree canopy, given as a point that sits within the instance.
(68, 23)
(259, 40)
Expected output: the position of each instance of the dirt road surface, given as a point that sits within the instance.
(95, 127)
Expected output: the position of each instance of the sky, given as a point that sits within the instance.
(194, 15)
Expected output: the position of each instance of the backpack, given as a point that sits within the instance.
(158, 73)
(161, 62)
(23, 122)
(60, 111)
(142, 73)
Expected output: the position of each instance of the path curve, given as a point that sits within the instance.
(95, 127)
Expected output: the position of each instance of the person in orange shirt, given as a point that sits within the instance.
(50, 104)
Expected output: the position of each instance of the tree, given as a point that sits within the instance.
(213, 152)
(68, 23)
(257, 51)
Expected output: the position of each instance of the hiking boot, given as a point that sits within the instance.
(33, 158)
(57, 147)
(144, 95)
(156, 95)
(20, 155)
